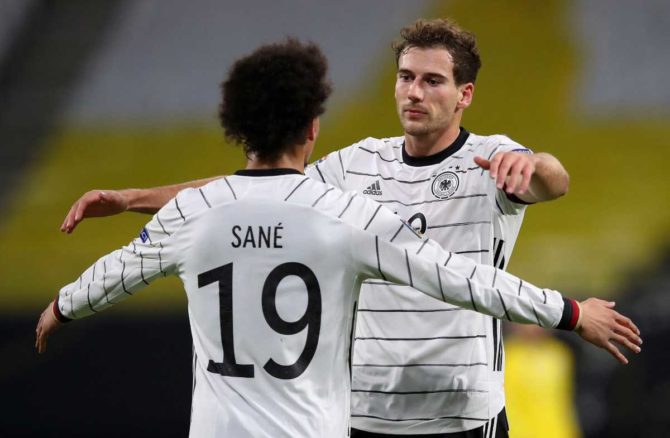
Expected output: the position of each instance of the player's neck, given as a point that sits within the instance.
(294, 159)
(432, 143)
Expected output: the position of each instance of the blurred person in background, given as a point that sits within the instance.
(539, 380)
(466, 191)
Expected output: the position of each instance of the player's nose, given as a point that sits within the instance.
(415, 92)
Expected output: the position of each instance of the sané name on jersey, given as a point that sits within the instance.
(257, 236)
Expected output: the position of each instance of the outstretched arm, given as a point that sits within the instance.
(397, 254)
(530, 177)
(101, 203)
(116, 276)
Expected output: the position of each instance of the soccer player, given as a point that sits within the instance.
(446, 378)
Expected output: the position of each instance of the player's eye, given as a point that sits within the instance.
(404, 77)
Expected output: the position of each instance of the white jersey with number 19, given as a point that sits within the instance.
(272, 262)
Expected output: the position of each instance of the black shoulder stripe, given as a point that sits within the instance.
(230, 187)
(160, 260)
(373, 216)
(380, 155)
(320, 197)
(316, 166)
(439, 281)
(402, 225)
(347, 206)
(104, 278)
(161, 224)
(409, 270)
(142, 269)
(472, 297)
(88, 297)
(176, 204)
(123, 282)
(388, 178)
(421, 247)
(503, 305)
(472, 251)
(296, 188)
(458, 224)
(430, 201)
(204, 198)
(537, 318)
(379, 265)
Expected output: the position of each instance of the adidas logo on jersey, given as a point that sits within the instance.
(373, 189)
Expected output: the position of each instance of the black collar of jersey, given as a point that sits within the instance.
(268, 172)
(438, 157)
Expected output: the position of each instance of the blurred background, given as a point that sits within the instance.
(116, 94)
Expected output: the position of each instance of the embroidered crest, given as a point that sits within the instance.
(445, 185)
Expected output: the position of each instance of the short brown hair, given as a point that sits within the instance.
(445, 33)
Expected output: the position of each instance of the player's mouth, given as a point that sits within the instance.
(413, 112)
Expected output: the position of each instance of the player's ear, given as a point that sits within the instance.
(465, 92)
(313, 129)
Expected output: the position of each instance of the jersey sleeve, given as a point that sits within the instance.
(122, 273)
(393, 251)
(331, 169)
(506, 203)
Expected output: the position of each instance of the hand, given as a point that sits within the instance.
(45, 327)
(96, 203)
(511, 170)
(601, 324)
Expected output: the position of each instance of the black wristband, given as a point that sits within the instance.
(570, 315)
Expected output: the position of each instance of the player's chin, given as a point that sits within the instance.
(415, 128)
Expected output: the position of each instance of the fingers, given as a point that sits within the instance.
(78, 210)
(483, 163)
(89, 199)
(515, 178)
(614, 351)
(40, 341)
(627, 322)
(45, 327)
(38, 329)
(67, 226)
(625, 342)
(511, 170)
(96, 203)
(503, 171)
(527, 174)
(606, 328)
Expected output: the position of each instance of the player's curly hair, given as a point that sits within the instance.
(444, 33)
(272, 95)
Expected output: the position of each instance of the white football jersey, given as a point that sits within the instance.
(272, 262)
(421, 366)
